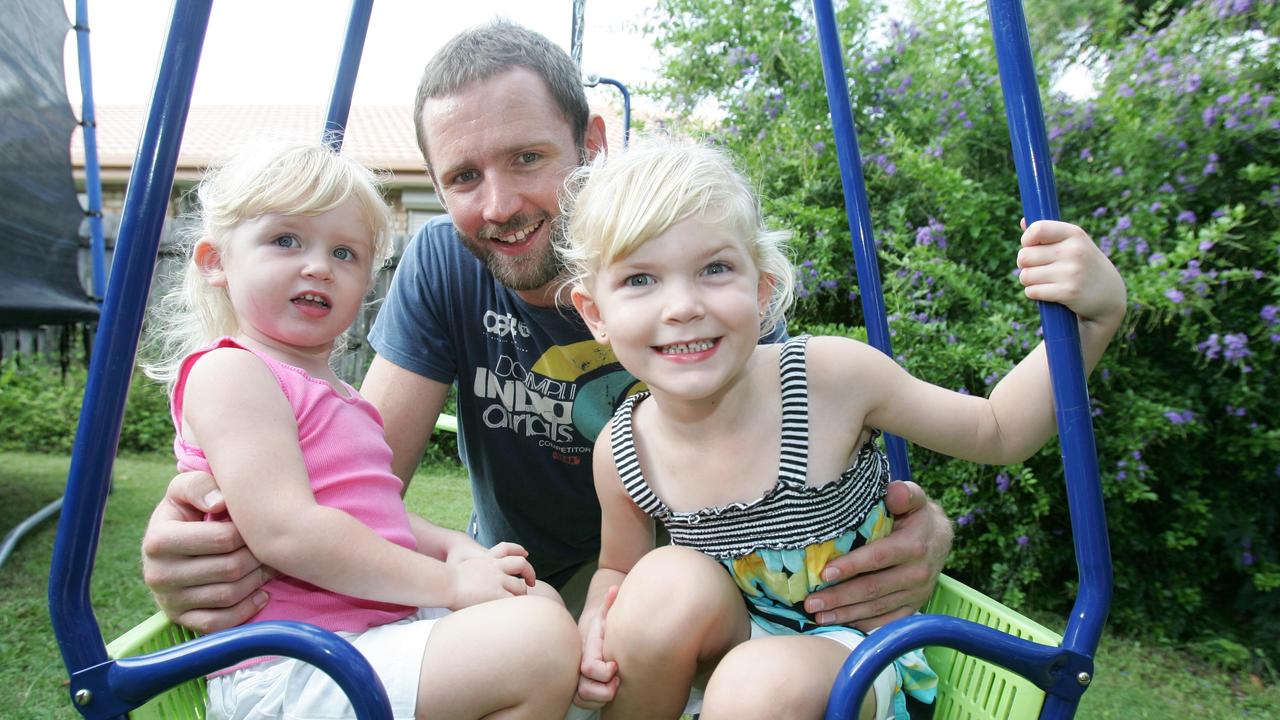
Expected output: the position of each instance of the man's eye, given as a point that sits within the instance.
(287, 241)
(638, 280)
(465, 176)
(528, 158)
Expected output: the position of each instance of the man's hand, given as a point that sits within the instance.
(892, 577)
(598, 678)
(202, 575)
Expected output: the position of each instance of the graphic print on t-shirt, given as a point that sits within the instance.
(565, 398)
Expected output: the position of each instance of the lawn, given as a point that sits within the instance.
(1135, 678)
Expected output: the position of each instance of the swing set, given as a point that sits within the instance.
(991, 661)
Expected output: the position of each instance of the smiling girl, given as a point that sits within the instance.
(760, 460)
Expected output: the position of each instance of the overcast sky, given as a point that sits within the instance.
(286, 51)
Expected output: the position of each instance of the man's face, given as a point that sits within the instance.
(500, 151)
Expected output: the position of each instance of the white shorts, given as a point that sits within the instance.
(290, 689)
(885, 686)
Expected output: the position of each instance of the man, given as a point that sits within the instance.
(502, 119)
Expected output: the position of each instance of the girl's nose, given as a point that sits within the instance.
(317, 268)
(682, 303)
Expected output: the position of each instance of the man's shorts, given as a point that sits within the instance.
(294, 690)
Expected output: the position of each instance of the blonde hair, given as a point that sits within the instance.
(615, 205)
(262, 179)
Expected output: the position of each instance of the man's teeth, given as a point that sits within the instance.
(686, 348)
(520, 235)
(308, 297)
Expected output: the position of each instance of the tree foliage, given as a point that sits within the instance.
(1172, 164)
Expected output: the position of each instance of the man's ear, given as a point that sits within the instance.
(595, 141)
(590, 313)
(209, 261)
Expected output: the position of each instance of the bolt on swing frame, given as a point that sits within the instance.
(1062, 672)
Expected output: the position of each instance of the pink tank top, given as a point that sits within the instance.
(349, 464)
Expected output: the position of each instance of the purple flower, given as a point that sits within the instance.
(1182, 417)
(1235, 347)
(932, 234)
(969, 488)
(965, 519)
(819, 146)
(1175, 295)
(1002, 482)
(1156, 207)
(1268, 314)
(1124, 90)
(1099, 212)
(1210, 348)
(1023, 540)
(1124, 223)
(1246, 558)
(1186, 216)
(1086, 154)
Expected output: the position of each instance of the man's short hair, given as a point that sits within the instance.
(489, 50)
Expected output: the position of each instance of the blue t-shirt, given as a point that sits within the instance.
(534, 391)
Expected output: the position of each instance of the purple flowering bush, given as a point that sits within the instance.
(1172, 164)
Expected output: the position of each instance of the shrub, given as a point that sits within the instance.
(40, 408)
(1173, 166)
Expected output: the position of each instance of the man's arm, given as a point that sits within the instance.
(410, 404)
(202, 575)
(892, 577)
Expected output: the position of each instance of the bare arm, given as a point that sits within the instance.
(246, 426)
(203, 575)
(410, 404)
(626, 534)
(1059, 264)
(892, 577)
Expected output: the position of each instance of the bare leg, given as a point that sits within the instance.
(676, 614)
(509, 659)
(786, 677)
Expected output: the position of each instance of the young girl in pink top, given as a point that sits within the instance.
(288, 245)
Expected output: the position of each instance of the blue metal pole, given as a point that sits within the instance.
(1062, 341)
(79, 637)
(626, 106)
(92, 176)
(856, 206)
(335, 125)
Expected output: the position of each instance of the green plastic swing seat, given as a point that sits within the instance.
(968, 688)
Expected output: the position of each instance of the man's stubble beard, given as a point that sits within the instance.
(531, 271)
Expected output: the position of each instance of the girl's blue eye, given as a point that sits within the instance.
(716, 268)
(638, 280)
(287, 241)
(343, 253)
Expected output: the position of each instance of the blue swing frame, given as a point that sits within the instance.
(105, 688)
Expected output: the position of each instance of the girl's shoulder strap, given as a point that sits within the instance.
(627, 460)
(793, 463)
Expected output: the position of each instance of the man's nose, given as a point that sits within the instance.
(501, 199)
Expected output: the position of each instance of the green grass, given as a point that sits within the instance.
(1135, 678)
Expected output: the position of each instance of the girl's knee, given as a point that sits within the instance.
(675, 583)
(767, 679)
